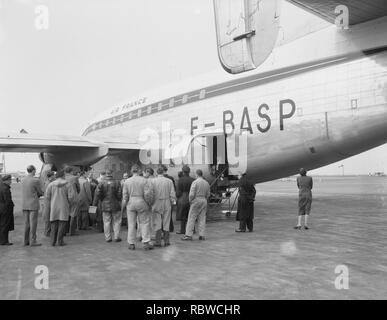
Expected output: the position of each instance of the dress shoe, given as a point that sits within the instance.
(7, 244)
(26, 244)
(110, 240)
(306, 227)
(239, 230)
(178, 232)
(297, 227)
(186, 238)
(202, 238)
(62, 244)
(148, 246)
(118, 240)
(132, 247)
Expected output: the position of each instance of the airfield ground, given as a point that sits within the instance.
(348, 227)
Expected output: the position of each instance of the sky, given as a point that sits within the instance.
(55, 77)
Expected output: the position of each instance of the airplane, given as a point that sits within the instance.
(307, 101)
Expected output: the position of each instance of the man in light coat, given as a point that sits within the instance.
(198, 198)
(31, 191)
(133, 199)
(165, 196)
(59, 198)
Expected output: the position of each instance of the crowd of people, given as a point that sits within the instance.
(144, 200)
(76, 201)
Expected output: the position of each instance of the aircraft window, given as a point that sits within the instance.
(171, 102)
(184, 99)
(149, 109)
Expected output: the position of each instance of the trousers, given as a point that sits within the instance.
(162, 215)
(31, 224)
(58, 229)
(197, 211)
(112, 221)
(138, 208)
(3, 236)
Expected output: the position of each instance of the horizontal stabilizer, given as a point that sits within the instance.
(359, 11)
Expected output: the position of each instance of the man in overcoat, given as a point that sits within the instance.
(59, 197)
(246, 204)
(6, 210)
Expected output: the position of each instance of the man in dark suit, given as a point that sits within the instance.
(6, 210)
(182, 193)
(246, 204)
(31, 191)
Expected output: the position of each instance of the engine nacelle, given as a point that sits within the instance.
(83, 157)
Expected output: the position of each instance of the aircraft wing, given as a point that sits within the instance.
(75, 150)
(359, 10)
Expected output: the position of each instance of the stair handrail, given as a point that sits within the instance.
(218, 177)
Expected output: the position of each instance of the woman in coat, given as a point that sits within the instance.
(6, 210)
(60, 196)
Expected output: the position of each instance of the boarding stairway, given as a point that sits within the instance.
(224, 192)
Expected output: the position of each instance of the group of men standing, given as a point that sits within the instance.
(147, 200)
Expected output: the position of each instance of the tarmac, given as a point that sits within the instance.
(348, 227)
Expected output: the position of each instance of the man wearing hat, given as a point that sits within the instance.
(109, 192)
(182, 192)
(305, 185)
(31, 191)
(6, 210)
